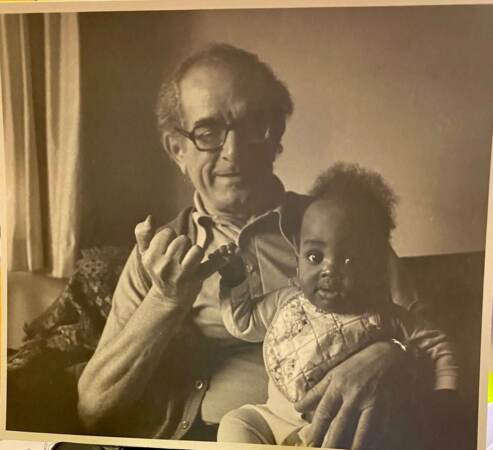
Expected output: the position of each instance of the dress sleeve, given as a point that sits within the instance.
(422, 335)
(247, 317)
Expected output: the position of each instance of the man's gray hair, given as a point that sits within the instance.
(277, 100)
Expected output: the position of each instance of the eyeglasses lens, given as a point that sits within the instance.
(209, 137)
(212, 137)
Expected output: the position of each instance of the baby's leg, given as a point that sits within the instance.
(246, 425)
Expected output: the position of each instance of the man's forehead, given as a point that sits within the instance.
(209, 89)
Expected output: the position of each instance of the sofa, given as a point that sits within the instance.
(43, 369)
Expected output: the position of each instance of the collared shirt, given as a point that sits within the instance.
(180, 387)
(270, 261)
(212, 372)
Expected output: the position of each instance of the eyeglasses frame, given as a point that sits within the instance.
(228, 127)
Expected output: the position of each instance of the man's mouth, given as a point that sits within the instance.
(230, 177)
(228, 174)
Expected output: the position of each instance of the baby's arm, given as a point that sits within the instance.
(427, 339)
(444, 406)
(244, 317)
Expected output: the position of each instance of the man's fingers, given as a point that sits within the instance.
(313, 396)
(192, 258)
(328, 408)
(341, 429)
(159, 244)
(178, 248)
(368, 430)
(144, 231)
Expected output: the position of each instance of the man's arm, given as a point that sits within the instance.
(352, 403)
(156, 290)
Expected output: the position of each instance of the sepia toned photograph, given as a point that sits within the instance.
(247, 226)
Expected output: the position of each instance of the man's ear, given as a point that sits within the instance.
(173, 144)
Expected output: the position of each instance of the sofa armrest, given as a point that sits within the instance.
(28, 295)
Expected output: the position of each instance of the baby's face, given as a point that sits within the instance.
(341, 262)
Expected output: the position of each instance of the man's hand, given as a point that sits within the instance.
(351, 403)
(174, 263)
(171, 261)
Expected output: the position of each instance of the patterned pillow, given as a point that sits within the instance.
(68, 331)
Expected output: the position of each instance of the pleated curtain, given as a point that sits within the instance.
(41, 145)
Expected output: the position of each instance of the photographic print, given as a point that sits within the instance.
(247, 226)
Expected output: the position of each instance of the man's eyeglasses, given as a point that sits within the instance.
(211, 137)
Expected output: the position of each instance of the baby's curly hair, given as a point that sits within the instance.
(359, 188)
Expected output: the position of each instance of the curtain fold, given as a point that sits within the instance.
(42, 181)
(62, 87)
(23, 209)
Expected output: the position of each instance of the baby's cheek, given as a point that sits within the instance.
(364, 283)
(350, 286)
(308, 284)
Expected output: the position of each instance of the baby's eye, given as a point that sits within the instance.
(314, 257)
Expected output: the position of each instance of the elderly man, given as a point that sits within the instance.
(165, 366)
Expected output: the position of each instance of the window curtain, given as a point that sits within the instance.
(41, 119)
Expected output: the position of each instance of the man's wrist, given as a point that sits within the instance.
(391, 352)
(171, 303)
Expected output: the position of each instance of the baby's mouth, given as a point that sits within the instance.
(329, 292)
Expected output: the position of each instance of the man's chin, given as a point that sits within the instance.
(235, 201)
(237, 195)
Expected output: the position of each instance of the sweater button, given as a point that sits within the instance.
(199, 384)
(185, 424)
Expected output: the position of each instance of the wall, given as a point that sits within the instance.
(406, 91)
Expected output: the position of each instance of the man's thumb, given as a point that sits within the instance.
(144, 231)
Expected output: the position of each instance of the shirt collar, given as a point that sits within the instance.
(287, 210)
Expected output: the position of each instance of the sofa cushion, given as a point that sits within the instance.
(43, 372)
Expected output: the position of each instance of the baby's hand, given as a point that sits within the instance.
(229, 264)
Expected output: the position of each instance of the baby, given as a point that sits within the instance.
(338, 304)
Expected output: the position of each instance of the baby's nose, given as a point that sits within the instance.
(330, 268)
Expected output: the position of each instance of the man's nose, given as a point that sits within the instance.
(231, 148)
